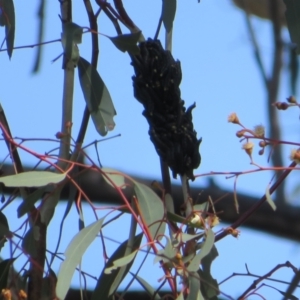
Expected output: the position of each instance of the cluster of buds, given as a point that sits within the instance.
(291, 101)
(257, 132)
(198, 221)
(156, 86)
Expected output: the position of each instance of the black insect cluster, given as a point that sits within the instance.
(156, 86)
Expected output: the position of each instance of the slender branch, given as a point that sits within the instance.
(124, 16)
(95, 53)
(256, 206)
(104, 6)
(47, 208)
(261, 278)
(34, 45)
(292, 286)
(271, 84)
(273, 87)
(256, 49)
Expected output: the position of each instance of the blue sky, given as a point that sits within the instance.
(219, 74)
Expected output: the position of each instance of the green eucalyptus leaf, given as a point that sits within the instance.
(292, 15)
(127, 42)
(4, 272)
(115, 176)
(185, 237)
(123, 261)
(97, 97)
(194, 287)
(152, 209)
(293, 69)
(29, 201)
(32, 179)
(201, 207)
(180, 297)
(48, 286)
(106, 281)
(205, 249)
(7, 19)
(4, 229)
(166, 254)
(209, 286)
(74, 252)
(71, 36)
(168, 13)
(29, 241)
(147, 287)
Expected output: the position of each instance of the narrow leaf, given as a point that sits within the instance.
(73, 255)
(115, 176)
(147, 287)
(168, 13)
(127, 42)
(152, 209)
(209, 286)
(4, 272)
(71, 36)
(29, 241)
(292, 15)
(29, 201)
(166, 254)
(123, 261)
(194, 287)
(97, 97)
(205, 249)
(73, 32)
(4, 230)
(184, 237)
(105, 281)
(293, 69)
(269, 199)
(7, 19)
(180, 297)
(203, 207)
(32, 179)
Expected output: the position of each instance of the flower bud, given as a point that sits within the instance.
(291, 99)
(295, 155)
(259, 130)
(281, 105)
(59, 135)
(248, 147)
(240, 133)
(233, 118)
(263, 144)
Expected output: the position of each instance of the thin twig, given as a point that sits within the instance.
(267, 275)
(256, 206)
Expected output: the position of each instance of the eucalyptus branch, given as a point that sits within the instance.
(48, 205)
(243, 218)
(267, 275)
(124, 16)
(95, 53)
(271, 83)
(249, 274)
(104, 6)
